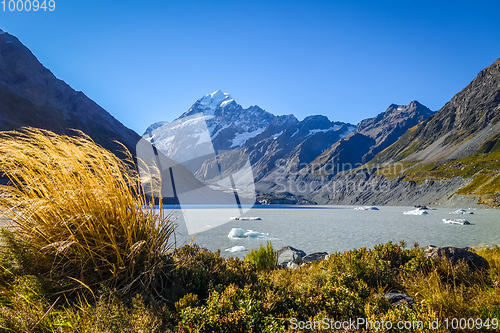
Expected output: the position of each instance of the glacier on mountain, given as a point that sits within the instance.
(314, 131)
(240, 138)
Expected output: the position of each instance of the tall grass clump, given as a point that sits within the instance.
(75, 212)
(264, 258)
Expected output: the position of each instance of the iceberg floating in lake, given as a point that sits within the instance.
(244, 233)
(245, 218)
(416, 212)
(366, 208)
(238, 248)
(457, 221)
(461, 211)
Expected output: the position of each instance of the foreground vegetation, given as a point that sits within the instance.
(83, 250)
(208, 293)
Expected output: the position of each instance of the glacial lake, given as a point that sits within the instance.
(338, 228)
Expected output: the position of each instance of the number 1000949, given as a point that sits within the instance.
(28, 5)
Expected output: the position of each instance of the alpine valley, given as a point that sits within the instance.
(404, 155)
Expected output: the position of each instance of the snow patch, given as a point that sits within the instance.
(297, 131)
(314, 131)
(275, 136)
(226, 102)
(240, 138)
(350, 129)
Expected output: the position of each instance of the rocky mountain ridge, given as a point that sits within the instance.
(371, 136)
(452, 157)
(459, 128)
(30, 95)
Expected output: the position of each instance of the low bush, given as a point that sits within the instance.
(197, 271)
(264, 258)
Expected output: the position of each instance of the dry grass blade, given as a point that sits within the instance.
(80, 210)
(44, 315)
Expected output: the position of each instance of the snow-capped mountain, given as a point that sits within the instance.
(284, 147)
(214, 123)
(217, 136)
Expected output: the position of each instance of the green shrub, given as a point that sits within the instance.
(197, 270)
(230, 311)
(264, 258)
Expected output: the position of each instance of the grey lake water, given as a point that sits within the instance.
(339, 228)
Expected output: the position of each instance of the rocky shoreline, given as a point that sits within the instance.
(292, 258)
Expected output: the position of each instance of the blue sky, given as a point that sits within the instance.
(146, 61)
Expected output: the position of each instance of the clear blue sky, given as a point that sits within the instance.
(146, 61)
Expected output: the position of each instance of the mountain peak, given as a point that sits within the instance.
(2, 32)
(395, 108)
(218, 94)
(209, 103)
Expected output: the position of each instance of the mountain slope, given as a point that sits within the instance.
(352, 151)
(371, 136)
(458, 129)
(285, 146)
(30, 95)
(451, 158)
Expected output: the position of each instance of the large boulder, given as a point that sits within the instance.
(316, 256)
(456, 255)
(400, 299)
(289, 254)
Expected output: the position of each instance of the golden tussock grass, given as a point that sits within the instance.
(79, 213)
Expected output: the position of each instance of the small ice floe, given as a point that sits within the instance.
(238, 248)
(457, 221)
(417, 211)
(461, 211)
(245, 218)
(366, 208)
(236, 233)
